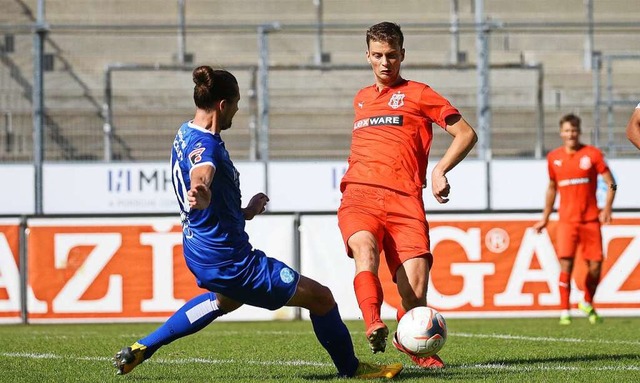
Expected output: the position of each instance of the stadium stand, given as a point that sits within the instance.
(309, 109)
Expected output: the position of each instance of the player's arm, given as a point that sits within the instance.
(464, 137)
(199, 196)
(549, 200)
(605, 213)
(633, 128)
(256, 206)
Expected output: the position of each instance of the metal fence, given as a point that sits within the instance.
(117, 91)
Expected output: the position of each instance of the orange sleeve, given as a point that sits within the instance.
(552, 171)
(435, 107)
(601, 165)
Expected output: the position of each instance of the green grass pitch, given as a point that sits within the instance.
(477, 350)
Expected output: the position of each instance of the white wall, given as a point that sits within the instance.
(311, 186)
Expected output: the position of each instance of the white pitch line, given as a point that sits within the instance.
(545, 339)
(355, 334)
(454, 334)
(460, 334)
(294, 363)
(498, 366)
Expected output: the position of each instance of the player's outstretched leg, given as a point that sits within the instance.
(432, 362)
(191, 317)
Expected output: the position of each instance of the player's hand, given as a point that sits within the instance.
(538, 226)
(440, 188)
(199, 197)
(605, 216)
(257, 205)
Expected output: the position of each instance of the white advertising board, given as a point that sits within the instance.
(468, 181)
(518, 184)
(522, 184)
(305, 186)
(18, 192)
(124, 187)
(101, 188)
(627, 175)
(315, 186)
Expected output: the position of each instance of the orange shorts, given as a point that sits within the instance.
(583, 236)
(397, 220)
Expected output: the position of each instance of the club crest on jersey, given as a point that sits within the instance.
(196, 155)
(397, 100)
(287, 276)
(585, 163)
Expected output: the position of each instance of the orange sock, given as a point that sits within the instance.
(369, 295)
(400, 313)
(590, 284)
(565, 288)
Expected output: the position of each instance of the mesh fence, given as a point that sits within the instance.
(309, 111)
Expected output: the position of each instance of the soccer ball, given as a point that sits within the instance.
(422, 331)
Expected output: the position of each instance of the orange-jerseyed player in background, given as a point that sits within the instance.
(573, 172)
(382, 208)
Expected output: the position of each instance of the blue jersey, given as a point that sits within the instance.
(215, 235)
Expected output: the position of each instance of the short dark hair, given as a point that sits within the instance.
(572, 119)
(386, 32)
(213, 85)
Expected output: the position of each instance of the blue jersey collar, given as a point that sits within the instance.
(196, 127)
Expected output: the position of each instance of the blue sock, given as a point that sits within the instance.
(335, 338)
(192, 317)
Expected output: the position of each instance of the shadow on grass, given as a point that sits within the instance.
(560, 360)
(500, 369)
(491, 369)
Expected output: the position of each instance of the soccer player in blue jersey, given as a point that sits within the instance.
(217, 248)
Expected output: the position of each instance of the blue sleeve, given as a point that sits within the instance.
(202, 151)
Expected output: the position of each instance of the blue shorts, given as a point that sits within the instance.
(256, 280)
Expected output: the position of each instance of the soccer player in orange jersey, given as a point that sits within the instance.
(382, 210)
(573, 172)
(633, 128)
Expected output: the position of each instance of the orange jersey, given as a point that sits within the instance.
(576, 177)
(392, 135)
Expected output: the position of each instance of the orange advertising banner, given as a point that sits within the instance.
(9, 271)
(504, 268)
(101, 270)
(133, 269)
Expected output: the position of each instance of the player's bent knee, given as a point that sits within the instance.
(325, 299)
(322, 301)
(313, 296)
